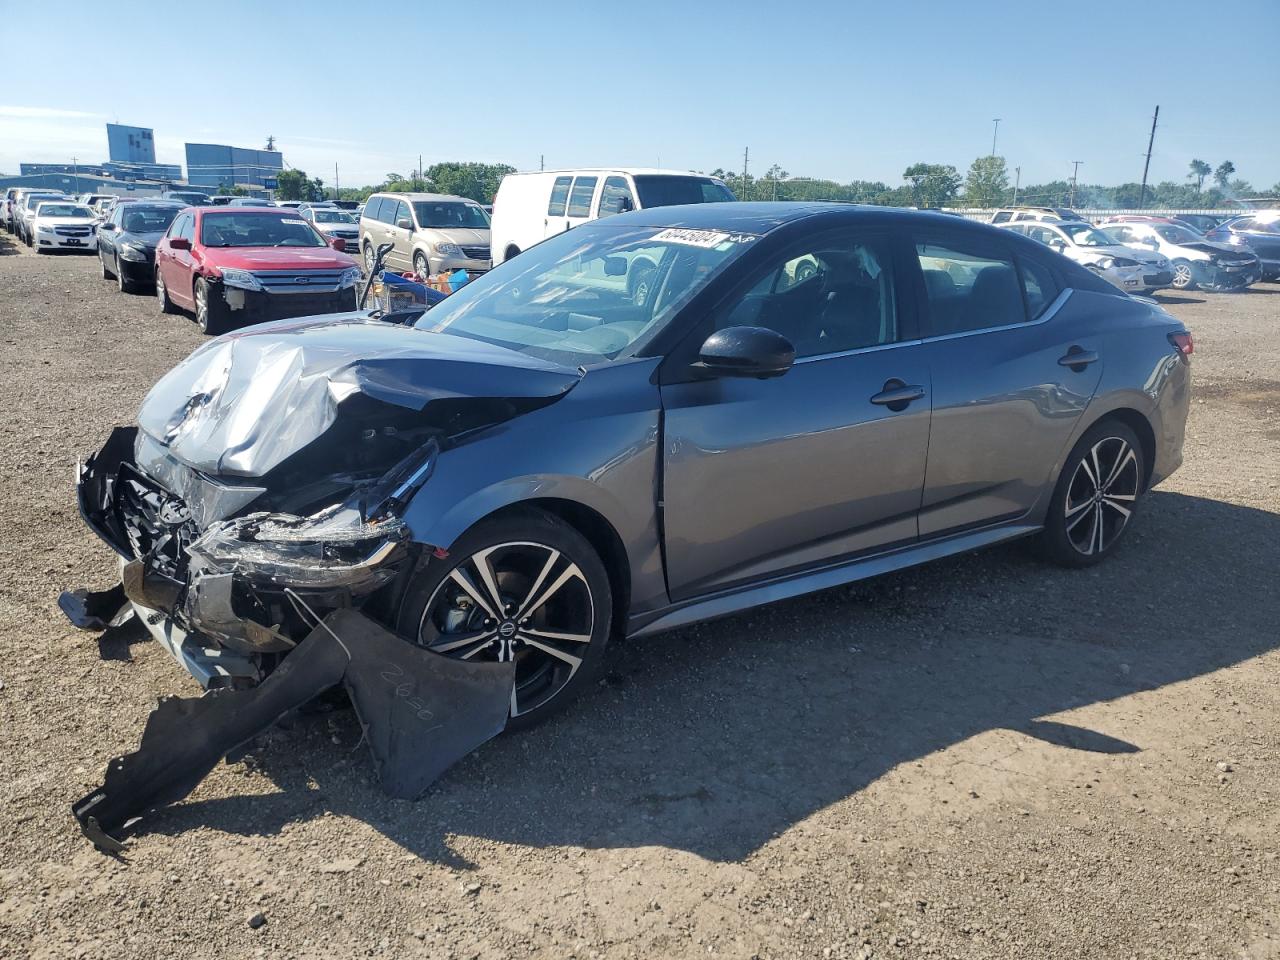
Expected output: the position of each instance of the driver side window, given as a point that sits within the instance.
(832, 298)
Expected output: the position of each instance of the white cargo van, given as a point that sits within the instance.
(530, 207)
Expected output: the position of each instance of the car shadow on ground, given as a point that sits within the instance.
(10, 246)
(715, 738)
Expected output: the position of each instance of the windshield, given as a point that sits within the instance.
(36, 199)
(1084, 235)
(195, 199)
(588, 294)
(450, 215)
(662, 191)
(1175, 234)
(332, 216)
(63, 210)
(142, 219)
(258, 230)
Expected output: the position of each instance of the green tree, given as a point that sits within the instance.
(1199, 170)
(1223, 174)
(932, 184)
(293, 185)
(475, 181)
(987, 182)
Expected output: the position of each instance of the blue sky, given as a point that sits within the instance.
(842, 90)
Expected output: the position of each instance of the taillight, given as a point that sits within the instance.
(1183, 343)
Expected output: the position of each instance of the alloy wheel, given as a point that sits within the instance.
(421, 269)
(369, 257)
(161, 294)
(519, 601)
(1101, 496)
(202, 306)
(1182, 275)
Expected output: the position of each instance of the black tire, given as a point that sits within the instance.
(439, 612)
(1088, 518)
(122, 280)
(209, 317)
(1183, 275)
(512, 252)
(162, 295)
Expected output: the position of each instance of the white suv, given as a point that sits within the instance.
(530, 207)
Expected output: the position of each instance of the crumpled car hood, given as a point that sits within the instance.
(244, 403)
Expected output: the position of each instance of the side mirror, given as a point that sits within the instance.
(106, 225)
(625, 205)
(338, 244)
(746, 352)
(404, 223)
(179, 243)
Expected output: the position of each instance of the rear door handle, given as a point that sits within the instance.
(1077, 359)
(896, 394)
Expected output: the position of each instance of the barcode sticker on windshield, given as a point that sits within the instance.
(291, 220)
(692, 238)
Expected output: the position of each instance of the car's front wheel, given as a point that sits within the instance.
(523, 587)
(1183, 276)
(207, 319)
(1096, 495)
(421, 268)
(369, 257)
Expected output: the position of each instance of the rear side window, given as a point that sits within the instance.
(1040, 286)
(580, 197)
(372, 209)
(1001, 217)
(969, 287)
(559, 194)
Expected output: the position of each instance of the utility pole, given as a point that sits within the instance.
(75, 172)
(337, 194)
(1017, 182)
(995, 130)
(420, 184)
(1142, 197)
(542, 161)
(746, 153)
(1074, 173)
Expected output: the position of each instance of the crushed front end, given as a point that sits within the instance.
(257, 512)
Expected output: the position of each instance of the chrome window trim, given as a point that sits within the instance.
(876, 348)
(1049, 313)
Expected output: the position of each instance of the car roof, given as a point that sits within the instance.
(422, 196)
(763, 217)
(632, 171)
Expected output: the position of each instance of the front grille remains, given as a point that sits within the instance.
(299, 281)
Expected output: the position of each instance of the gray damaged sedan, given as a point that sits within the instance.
(652, 419)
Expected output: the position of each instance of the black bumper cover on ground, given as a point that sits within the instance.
(421, 713)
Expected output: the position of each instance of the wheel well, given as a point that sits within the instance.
(511, 251)
(1141, 426)
(603, 539)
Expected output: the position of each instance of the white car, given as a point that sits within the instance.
(530, 207)
(1131, 269)
(1197, 262)
(64, 225)
(334, 224)
(27, 210)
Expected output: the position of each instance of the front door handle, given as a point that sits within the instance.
(896, 395)
(1077, 358)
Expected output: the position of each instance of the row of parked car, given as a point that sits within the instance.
(231, 261)
(1143, 253)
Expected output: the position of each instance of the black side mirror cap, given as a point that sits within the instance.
(756, 352)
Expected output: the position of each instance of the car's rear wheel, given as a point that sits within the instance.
(524, 587)
(1183, 275)
(162, 296)
(1096, 495)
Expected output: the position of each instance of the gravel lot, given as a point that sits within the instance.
(988, 757)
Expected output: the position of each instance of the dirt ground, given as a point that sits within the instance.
(988, 757)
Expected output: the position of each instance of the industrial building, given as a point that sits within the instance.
(130, 144)
(214, 165)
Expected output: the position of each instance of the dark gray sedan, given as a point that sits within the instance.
(649, 420)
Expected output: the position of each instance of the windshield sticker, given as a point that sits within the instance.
(301, 223)
(707, 239)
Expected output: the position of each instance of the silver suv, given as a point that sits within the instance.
(430, 232)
